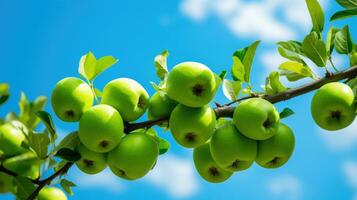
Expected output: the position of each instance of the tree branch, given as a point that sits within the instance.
(48, 180)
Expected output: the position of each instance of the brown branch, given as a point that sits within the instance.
(48, 180)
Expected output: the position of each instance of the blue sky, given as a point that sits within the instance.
(41, 42)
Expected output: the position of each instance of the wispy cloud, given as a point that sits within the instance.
(174, 175)
(270, 20)
(349, 169)
(342, 140)
(285, 186)
(105, 180)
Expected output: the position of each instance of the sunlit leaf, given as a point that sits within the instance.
(39, 143)
(160, 63)
(237, 69)
(297, 68)
(315, 49)
(349, 4)
(275, 83)
(316, 14)
(330, 44)
(231, 89)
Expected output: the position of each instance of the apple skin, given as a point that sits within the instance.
(160, 106)
(91, 162)
(25, 164)
(256, 119)
(127, 96)
(207, 167)
(192, 84)
(333, 106)
(70, 98)
(11, 139)
(192, 127)
(231, 150)
(134, 157)
(101, 128)
(6, 183)
(51, 193)
(277, 150)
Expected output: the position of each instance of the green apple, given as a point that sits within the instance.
(207, 167)
(11, 139)
(70, 98)
(192, 84)
(192, 127)
(91, 162)
(135, 156)
(353, 59)
(127, 96)
(160, 106)
(256, 119)
(101, 128)
(333, 106)
(51, 193)
(231, 150)
(25, 164)
(6, 183)
(276, 151)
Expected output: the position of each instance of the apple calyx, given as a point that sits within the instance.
(213, 171)
(198, 90)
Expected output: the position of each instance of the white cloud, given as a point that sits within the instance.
(271, 60)
(286, 186)
(174, 175)
(344, 139)
(349, 169)
(270, 20)
(105, 180)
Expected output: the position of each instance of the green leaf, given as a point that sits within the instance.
(317, 15)
(104, 63)
(25, 108)
(330, 44)
(39, 143)
(35, 106)
(222, 75)
(66, 185)
(164, 146)
(47, 121)
(68, 154)
(4, 92)
(353, 84)
(275, 83)
(286, 113)
(160, 63)
(71, 141)
(24, 187)
(291, 76)
(248, 59)
(343, 41)
(87, 66)
(231, 89)
(292, 45)
(297, 68)
(349, 4)
(290, 55)
(315, 49)
(237, 69)
(240, 53)
(344, 14)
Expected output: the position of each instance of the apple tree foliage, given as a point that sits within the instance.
(226, 139)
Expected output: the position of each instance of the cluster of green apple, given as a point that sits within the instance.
(21, 161)
(255, 134)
